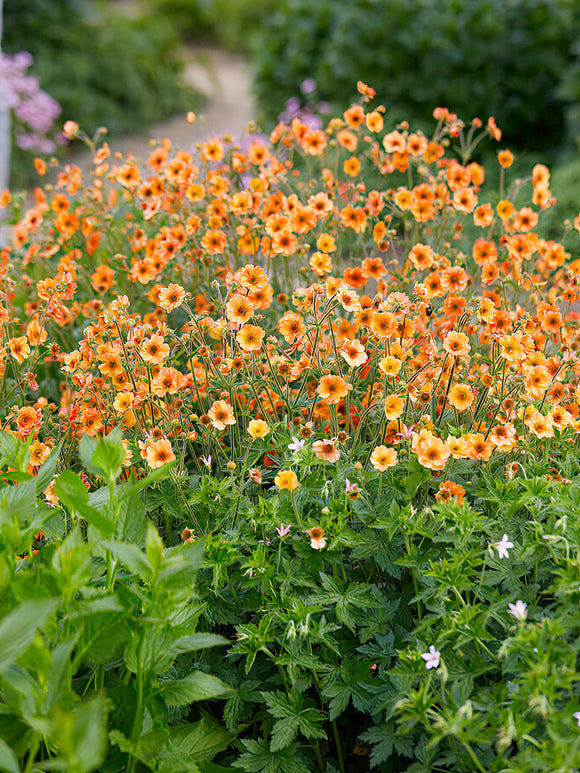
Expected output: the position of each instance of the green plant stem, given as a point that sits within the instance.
(338, 746)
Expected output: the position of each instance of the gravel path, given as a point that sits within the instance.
(224, 79)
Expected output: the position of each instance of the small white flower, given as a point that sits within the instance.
(576, 716)
(296, 445)
(519, 610)
(503, 546)
(206, 460)
(431, 658)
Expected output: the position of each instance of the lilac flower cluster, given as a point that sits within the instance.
(34, 110)
(308, 114)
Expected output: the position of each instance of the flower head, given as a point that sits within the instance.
(317, 541)
(283, 531)
(519, 610)
(287, 479)
(503, 546)
(431, 658)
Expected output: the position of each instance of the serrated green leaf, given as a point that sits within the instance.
(197, 686)
(284, 732)
(130, 555)
(197, 641)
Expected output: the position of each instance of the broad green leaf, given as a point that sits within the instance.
(197, 641)
(203, 740)
(197, 686)
(18, 629)
(130, 555)
(109, 454)
(47, 471)
(70, 489)
(8, 761)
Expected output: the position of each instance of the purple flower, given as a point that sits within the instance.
(283, 531)
(308, 86)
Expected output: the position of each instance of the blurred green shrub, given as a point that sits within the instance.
(486, 57)
(232, 24)
(103, 68)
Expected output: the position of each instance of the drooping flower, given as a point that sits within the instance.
(317, 540)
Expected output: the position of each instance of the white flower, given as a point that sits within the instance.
(519, 610)
(206, 460)
(576, 716)
(503, 546)
(296, 445)
(431, 658)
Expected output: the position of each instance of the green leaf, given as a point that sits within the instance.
(197, 686)
(203, 740)
(47, 471)
(197, 641)
(284, 732)
(109, 455)
(18, 629)
(8, 761)
(70, 489)
(130, 555)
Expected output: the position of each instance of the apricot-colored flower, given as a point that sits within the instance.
(332, 389)
(250, 338)
(431, 451)
(456, 344)
(449, 490)
(158, 453)
(394, 407)
(291, 326)
(171, 297)
(353, 352)
(154, 350)
(326, 449)
(221, 414)
(461, 396)
(317, 540)
(383, 457)
(286, 479)
(19, 348)
(478, 447)
(239, 309)
(258, 428)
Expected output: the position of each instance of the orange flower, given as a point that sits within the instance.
(353, 352)
(326, 449)
(317, 541)
(458, 447)
(28, 420)
(456, 344)
(287, 479)
(250, 338)
(221, 414)
(154, 350)
(505, 158)
(431, 452)
(503, 436)
(394, 407)
(382, 458)
(171, 297)
(19, 348)
(239, 309)
(332, 389)
(291, 326)
(478, 447)
(461, 397)
(448, 490)
(158, 453)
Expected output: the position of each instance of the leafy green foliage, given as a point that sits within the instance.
(480, 58)
(97, 627)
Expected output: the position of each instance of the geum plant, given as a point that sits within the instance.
(361, 360)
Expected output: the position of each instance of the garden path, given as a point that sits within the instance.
(223, 79)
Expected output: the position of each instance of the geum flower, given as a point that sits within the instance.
(221, 414)
(326, 449)
(332, 389)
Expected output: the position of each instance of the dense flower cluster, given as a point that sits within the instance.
(358, 286)
(35, 111)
